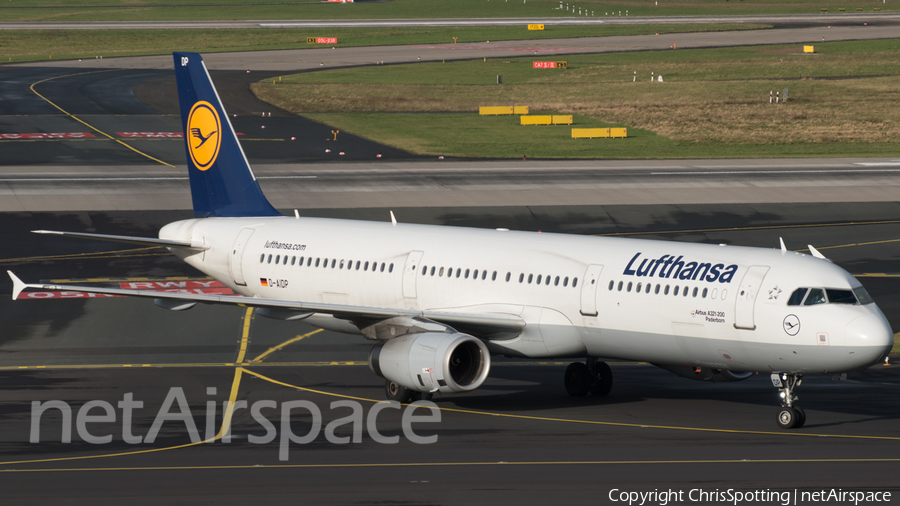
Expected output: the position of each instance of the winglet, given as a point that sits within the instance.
(18, 285)
(815, 252)
(783, 249)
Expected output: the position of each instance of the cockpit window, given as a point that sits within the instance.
(797, 296)
(816, 296)
(840, 296)
(863, 295)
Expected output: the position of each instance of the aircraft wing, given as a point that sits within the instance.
(146, 241)
(487, 325)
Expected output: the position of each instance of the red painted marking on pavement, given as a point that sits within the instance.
(155, 135)
(164, 285)
(45, 135)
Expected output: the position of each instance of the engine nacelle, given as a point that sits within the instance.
(705, 373)
(432, 361)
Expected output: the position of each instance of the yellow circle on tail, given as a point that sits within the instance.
(203, 134)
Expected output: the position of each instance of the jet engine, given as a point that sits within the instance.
(432, 361)
(705, 373)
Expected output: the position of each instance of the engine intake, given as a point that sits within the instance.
(432, 361)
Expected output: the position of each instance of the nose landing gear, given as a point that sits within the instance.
(790, 416)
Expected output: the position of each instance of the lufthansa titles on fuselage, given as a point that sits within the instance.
(670, 267)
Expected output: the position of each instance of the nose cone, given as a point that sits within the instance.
(871, 337)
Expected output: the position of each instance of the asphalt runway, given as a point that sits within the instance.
(519, 438)
(296, 60)
(836, 18)
(432, 183)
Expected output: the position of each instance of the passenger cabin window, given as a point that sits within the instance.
(262, 257)
(574, 282)
(494, 276)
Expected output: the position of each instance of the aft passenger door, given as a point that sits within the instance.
(409, 274)
(746, 297)
(589, 290)
(237, 256)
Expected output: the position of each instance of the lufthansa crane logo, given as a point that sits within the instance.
(203, 134)
(791, 325)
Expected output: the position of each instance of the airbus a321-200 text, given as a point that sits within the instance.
(439, 301)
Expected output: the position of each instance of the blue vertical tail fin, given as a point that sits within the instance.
(222, 183)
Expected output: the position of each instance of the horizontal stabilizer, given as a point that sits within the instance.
(18, 285)
(145, 241)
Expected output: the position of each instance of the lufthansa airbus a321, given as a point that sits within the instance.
(439, 301)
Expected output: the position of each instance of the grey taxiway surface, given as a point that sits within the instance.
(518, 439)
(307, 59)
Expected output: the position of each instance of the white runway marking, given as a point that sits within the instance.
(738, 172)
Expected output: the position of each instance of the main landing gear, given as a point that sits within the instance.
(591, 376)
(396, 392)
(790, 416)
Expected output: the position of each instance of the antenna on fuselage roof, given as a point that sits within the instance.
(815, 252)
(393, 219)
(783, 249)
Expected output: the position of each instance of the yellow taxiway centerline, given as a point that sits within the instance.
(101, 132)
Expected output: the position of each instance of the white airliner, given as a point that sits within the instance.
(439, 301)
